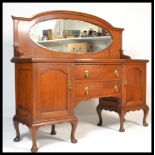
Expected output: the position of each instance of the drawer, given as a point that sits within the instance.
(98, 72)
(97, 88)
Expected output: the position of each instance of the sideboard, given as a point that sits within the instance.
(65, 57)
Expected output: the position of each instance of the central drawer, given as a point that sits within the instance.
(97, 72)
(97, 88)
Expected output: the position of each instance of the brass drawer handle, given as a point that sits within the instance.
(86, 90)
(116, 88)
(116, 72)
(86, 73)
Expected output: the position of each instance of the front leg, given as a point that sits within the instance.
(74, 126)
(145, 110)
(34, 144)
(16, 126)
(122, 118)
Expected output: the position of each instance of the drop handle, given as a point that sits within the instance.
(86, 73)
(125, 82)
(116, 72)
(116, 88)
(86, 90)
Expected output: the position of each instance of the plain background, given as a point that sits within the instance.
(135, 18)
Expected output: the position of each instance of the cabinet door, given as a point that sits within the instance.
(53, 92)
(134, 84)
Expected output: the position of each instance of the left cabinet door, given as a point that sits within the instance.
(54, 90)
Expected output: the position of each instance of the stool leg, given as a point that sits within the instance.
(99, 110)
(53, 132)
(145, 110)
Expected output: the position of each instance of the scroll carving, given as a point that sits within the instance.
(123, 56)
(17, 51)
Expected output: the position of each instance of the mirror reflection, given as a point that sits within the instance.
(70, 36)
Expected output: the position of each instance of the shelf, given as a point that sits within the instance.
(76, 39)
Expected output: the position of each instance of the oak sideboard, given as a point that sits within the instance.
(65, 57)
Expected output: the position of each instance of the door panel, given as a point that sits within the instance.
(135, 84)
(54, 97)
(23, 89)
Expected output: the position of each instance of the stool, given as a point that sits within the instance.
(113, 104)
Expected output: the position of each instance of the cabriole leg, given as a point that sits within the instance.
(121, 116)
(145, 110)
(16, 126)
(34, 144)
(74, 126)
(53, 132)
(99, 110)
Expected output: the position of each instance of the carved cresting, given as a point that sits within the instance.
(17, 51)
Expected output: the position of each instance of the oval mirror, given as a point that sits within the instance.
(70, 36)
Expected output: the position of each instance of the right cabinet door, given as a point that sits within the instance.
(134, 84)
